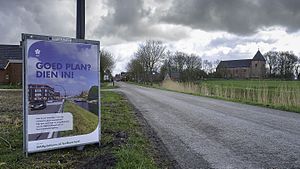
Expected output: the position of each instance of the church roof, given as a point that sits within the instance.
(258, 57)
(241, 63)
(235, 63)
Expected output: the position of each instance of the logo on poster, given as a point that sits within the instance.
(37, 52)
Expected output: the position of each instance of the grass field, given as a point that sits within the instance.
(284, 95)
(123, 143)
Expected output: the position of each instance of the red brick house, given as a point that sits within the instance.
(10, 64)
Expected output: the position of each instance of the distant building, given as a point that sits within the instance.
(117, 77)
(10, 64)
(245, 68)
(175, 76)
(124, 76)
(42, 92)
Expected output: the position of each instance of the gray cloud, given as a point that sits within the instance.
(231, 55)
(130, 20)
(235, 16)
(135, 20)
(234, 41)
(122, 20)
(55, 17)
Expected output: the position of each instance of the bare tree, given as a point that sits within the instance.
(272, 61)
(107, 62)
(287, 63)
(193, 64)
(297, 69)
(135, 68)
(207, 66)
(179, 62)
(150, 54)
(215, 65)
(183, 67)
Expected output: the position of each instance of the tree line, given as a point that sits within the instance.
(284, 65)
(153, 62)
(185, 67)
(153, 57)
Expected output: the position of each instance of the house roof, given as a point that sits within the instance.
(235, 63)
(9, 53)
(3, 64)
(258, 57)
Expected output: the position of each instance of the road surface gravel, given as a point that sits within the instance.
(202, 132)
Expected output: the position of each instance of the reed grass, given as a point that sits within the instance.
(284, 95)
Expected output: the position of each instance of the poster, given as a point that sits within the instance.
(61, 95)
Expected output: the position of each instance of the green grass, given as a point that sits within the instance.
(256, 84)
(137, 152)
(108, 85)
(284, 95)
(153, 85)
(4, 86)
(84, 122)
(117, 116)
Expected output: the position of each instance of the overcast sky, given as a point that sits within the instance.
(212, 29)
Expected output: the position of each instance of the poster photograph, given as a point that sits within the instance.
(61, 96)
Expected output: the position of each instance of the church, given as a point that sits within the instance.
(243, 69)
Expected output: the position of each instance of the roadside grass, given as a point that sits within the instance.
(282, 95)
(123, 144)
(108, 85)
(84, 122)
(153, 85)
(8, 86)
(123, 120)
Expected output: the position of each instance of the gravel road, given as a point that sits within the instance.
(207, 133)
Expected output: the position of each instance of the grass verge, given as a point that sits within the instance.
(108, 85)
(123, 143)
(281, 95)
(120, 121)
(4, 86)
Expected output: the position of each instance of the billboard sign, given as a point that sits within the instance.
(61, 95)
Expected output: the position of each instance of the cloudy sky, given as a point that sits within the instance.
(212, 29)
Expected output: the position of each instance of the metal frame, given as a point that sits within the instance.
(25, 37)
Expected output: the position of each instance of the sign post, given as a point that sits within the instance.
(61, 81)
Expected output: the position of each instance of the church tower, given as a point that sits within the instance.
(258, 66)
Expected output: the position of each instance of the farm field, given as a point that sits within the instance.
(284, 95)
(271, 84)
